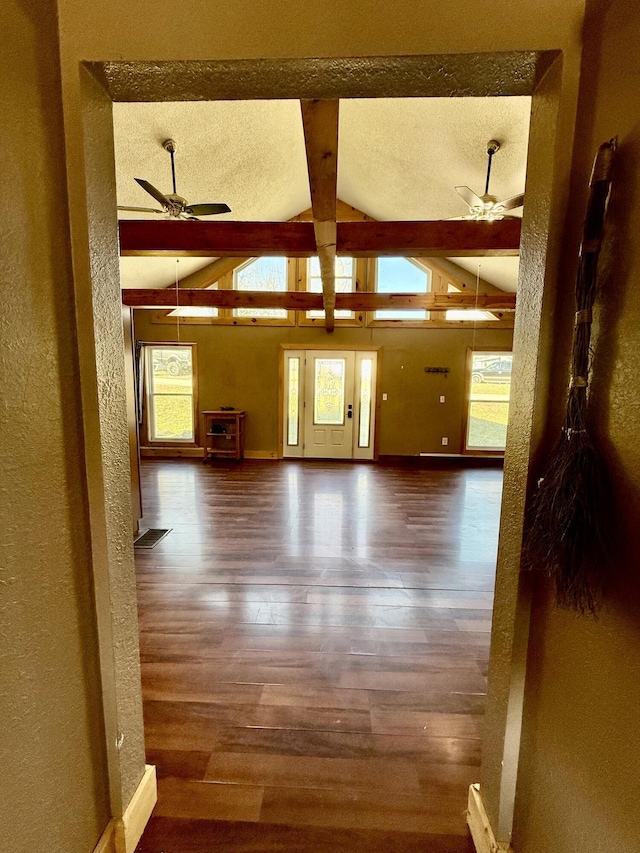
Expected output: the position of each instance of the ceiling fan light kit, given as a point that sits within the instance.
(173, 204)
(488, 208)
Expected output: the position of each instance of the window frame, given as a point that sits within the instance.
(365, 281)
(372, 278)
(359, 279)
(227, 282)
(145, 430)
(466, 412)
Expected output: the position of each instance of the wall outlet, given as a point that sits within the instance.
(384, 396)
(445, 440)
(442, 398)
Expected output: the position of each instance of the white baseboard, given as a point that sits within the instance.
(107, 843)
(479, 826)
(129, 828)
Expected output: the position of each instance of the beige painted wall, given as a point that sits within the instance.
(93, 30)
(239, 366)
(53, 784)
(580, 766)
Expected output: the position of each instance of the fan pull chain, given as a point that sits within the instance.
(177, 301)
(475, 316)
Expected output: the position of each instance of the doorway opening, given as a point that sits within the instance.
(96, 361)
(329, 404)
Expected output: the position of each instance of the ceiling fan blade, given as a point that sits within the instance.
(141, 209)
(164, 201)
(469, 197)
(207, 209)
(513, 202)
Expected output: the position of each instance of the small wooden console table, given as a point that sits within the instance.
(224, 434)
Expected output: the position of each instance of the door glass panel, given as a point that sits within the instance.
(365, 403)
(294, 401)
(328, 394)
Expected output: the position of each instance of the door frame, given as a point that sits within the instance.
(89, 86)
(312, 347)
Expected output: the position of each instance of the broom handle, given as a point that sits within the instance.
(599, 188)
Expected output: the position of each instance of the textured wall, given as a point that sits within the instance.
(579, 769)
(240, 29)
(239, 366)
(103, 389)
(53, 787)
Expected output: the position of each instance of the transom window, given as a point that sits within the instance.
(401, 275)
(261, 274)
(345, 283)
(196, 310)
(468, 314)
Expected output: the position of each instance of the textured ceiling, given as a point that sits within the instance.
(397, 159)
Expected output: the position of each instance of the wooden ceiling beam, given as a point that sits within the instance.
(307, 301)
(145, 238)
(437, 238)
(214, 271)
(320, 123)
(440, 238)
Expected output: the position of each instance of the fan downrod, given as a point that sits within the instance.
(170, 146)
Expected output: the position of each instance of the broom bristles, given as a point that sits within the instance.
(568, 522)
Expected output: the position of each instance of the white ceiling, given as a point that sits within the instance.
(397, 159)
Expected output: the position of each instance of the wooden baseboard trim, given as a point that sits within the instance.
(129, 828)
(479, 826)
(443, 461)
(197, 452)
(107, 843)
(261, 454)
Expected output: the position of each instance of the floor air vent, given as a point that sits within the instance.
(151, 538)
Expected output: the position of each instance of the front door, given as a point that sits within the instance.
(329, 404)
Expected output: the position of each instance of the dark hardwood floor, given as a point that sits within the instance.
(314, 640)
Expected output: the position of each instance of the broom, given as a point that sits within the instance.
(568, 518)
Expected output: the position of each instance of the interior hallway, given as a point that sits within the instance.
(314, 640)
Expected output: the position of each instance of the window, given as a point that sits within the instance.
(401, 275)
(170, 393)
(345, 283)
(364, 409)
(195, 310)
(261, 274)
(293, 396)
(468, 314)
(489, 392)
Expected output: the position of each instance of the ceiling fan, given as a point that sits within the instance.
(173, 204)
(488, 207)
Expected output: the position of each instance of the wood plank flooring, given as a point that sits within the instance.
(314, 640)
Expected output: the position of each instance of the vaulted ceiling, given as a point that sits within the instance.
(398, 159)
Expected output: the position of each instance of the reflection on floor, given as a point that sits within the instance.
(314, 640)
